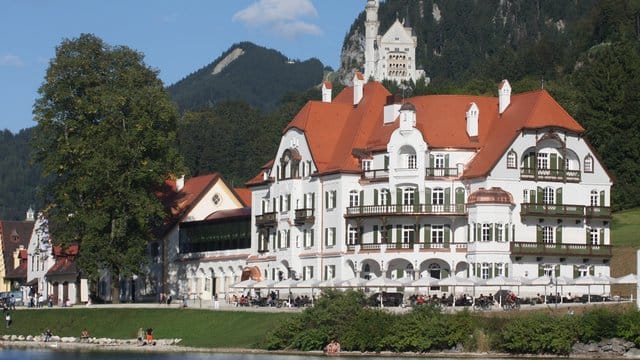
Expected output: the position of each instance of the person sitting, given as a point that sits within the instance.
(150, 337)
(47, 335)
(141, 337)
(84, 335)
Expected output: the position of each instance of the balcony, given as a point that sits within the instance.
(403, 210)
(601, 212)
(266, 219)
(528, 209)
(376, 175)
(542, 249)
(550, 175)
(441, 172)
(304, 216)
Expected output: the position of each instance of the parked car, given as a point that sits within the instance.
(5, 297)
(388, 299)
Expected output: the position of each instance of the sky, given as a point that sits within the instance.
(176, 37)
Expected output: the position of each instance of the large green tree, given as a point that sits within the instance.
(105, 138)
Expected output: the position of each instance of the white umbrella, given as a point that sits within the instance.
(627, 279)
(309, 283)
(246, 284)
(353, 282)
(268, 284)
(286, 284)
(460, 281)
(383, 282)
(501, 281)
(329, 283)
(591, 280)
(425, 281)
(541, 280)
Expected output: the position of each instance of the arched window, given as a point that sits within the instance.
(354, 198)
(549, 195)
(588, 164)
(512, 160)
(408, 159)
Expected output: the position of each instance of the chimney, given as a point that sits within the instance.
(358, 85)
(392, 108)
(326, 91)
(180, 183)
(504, 96)
(407, 116)
(472, 120)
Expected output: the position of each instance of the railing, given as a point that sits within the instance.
(304, 216)
(370, 246)
(266, 219)
(441, 172)
(430, 245)
(377, 174)
(598, 212)
(544, 249)
(551, 210)
(415, 209)
(550, 174)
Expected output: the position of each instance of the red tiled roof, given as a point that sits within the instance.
(244, 195)
(231, 213)
(333, 130)
(14, 234)
(64, 265)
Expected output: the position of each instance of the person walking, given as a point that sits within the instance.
(7, 319)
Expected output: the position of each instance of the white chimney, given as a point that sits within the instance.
(358, 85)
(472, 119)
(326, 91)
(504, 96)
(180, 183)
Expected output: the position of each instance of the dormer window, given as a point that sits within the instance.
(512, 160)
(588, 164)
(366, 165)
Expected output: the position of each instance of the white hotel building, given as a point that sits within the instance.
(367, 186)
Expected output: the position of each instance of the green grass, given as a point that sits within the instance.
(197, 328)
(625, 228)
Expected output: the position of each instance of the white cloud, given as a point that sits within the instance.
(280, 16)
(10, 60)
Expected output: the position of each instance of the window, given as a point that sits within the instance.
(437, 197)
(330, 238)
(307, 238)
(547, 270)
(352, 235)
(329, 272)
(286, 202)
(583, 270)
(485, 270)
(384, 197)
(366, 165)
(594, 198)
(408, 233)
(549, 196)
(499, 232)
(408, 196)
(216, 199)
(594, 236)
(354, 198)
(588, 164)
(500, 269)
(437, 234)
(543, 160)
(486, 232)
(512, 160)
(307, 272)
(438, 165)
(412, 162)
(547, 235)
(330, 199)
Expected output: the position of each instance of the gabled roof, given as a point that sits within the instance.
(15, 234)
(334, 130)
(244, 195)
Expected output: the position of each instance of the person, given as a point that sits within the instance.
(84, 335)
(7, 318)
(169, 298)
(41, 300)
(141, 336)
(150, 337)
(332, 348)
(216, 302)
(569, 311)
(184, 301)
(12, 303)
(47, 335)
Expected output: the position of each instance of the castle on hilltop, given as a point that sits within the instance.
(391, 56)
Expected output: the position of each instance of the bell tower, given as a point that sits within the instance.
(371, 26)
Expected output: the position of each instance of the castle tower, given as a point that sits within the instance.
(371, 26)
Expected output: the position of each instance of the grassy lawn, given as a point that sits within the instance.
(625, 228)
(197, 328)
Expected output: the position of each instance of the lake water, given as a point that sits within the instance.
(112, 355)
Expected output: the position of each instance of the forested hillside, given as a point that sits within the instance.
(246, 72)
(18, 177)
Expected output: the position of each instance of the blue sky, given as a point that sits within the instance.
(177, 37)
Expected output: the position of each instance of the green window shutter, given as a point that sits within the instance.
(326, 236)
(559, 235)
(427, 235)
(398, 199)
(360, 234)
(386, 162)
(539, 234)
(375, 234)
(447, 196)
(506, 232)
(556, 270)
(446, 164)
(326, 199)
(494, 271)
(263, 207)
(553, 160)
(532, 197)
(280, 205)
(416, 200)
(469, 233)
(375, 196)
(601, 236)
(447, 235)
(279, 239)
(274, 203)
(492, 230)
(311, 237)
(459, 196)
(388, 234)
(398, 234)
(513, 233)
(427, 197)
(592, 270)
(412, 239)
(361, 200)
(478, 269)
(304, 201)
(559, 196)
(388, 197)
(288, 238)
(478, 232)
(288, 201)
(540, 195)
(561, 164)
(587, 238)
(506, 270)
(576, 273)
(313, 200)
(431, 161)
(602, 198)
(540, 270)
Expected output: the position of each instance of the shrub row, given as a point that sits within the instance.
(343, 316)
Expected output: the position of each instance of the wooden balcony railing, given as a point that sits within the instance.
(304, 216)
(266, 219)
(400, 210)
(543, 249)
(550, 174)
(598, 212)
(441, 172)
(551, 210)
(378, 174)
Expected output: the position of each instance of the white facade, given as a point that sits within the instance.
(539, 206)
(390, 56)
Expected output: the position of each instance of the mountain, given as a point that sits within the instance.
(246, 72)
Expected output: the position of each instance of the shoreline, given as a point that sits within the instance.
(92, 347)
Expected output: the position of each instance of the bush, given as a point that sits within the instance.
(629, 326)
(368, 330)
(540, 334)
(597, 324)
(423, 329)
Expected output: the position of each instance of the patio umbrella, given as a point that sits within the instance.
(460, 281)
(501, 281)
(329, 283)
(590, 280)
(353, 282)
(425, 281)
(286, 284)
(627, 279)
(246, 284)
(264, 284)
(383, 282)
(309, 284)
